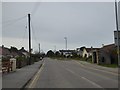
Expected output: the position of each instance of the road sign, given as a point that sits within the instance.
(116, 36)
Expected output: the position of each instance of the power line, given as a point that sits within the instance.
(23, 37)
(13, 22)
(34, 33)
(36, 6)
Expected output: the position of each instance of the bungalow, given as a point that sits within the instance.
(105, 55)
(24, 52)
(80, 51)
(86, 52)
(14, 52)
(67, 53)
(4, 52)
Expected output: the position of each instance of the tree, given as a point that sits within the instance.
(50, 53)
(75, 55)
(57, 54)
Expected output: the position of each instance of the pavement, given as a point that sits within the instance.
(72, 74)
(20, 77)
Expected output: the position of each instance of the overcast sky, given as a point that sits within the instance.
(83, 23)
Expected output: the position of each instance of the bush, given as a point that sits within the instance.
(21, 62)
(89, 59)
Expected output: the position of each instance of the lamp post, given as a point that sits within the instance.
(65, 42)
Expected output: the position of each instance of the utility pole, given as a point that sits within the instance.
(39, 48)
(29, 39)
(65, 42)
(55, 48)
(118, 47)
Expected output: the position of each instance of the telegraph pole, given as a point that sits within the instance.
(118, 47)
(29, 39)
(39, 48)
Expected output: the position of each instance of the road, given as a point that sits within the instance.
(72, 74)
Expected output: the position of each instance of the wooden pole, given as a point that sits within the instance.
(29, 39)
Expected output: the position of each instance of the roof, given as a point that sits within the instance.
(4, 51)
(108, 48)
(90, 49)
(67, 50)
(12, 51)
(23, 50)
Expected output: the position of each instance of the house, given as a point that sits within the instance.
(4, 52)
(67, 53)
(105, 55)
(79, 51)
(14, 52)
(24, 52)
(86, 52)
(83, 51)
(0, 52)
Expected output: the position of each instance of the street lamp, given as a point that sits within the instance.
(65, 42)
(55, 48)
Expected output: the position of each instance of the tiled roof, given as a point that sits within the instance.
(4, 51)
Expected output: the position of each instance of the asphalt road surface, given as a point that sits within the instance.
(72, 74)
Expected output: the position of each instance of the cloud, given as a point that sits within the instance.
(89, 24)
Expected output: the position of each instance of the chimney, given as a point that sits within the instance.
(2, 46)
(91, 47)
(22, 48)
(102, 45)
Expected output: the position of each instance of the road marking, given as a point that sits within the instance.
(97, 69)
(32, 84)
(93, 83)
(100, 75)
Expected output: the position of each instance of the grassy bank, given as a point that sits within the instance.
(89, 60)
(109, 65)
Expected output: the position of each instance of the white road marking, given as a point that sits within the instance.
(97, 69)
(93, 83)
(95, 72)
(32, 84)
